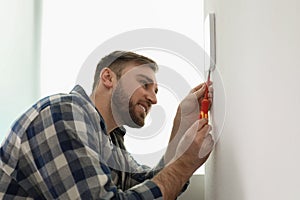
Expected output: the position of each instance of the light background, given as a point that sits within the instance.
(70, 31)
(19, 59)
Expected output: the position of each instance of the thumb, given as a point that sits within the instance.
(207, 146)
(200, 92)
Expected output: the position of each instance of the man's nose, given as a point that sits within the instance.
(151, 96)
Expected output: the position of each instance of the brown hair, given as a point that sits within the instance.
(117, 60)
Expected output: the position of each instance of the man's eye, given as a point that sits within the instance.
(144, 84)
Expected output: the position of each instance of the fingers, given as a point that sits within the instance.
(203, 132)
(204, 139)
(210, 93)
(203, 129)
(207, 146)
(198, 87)
(197, 142)
(199, 129)
(199, 90)
(200, 93)
(202, 123)
(210, 90)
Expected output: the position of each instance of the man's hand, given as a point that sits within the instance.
(192, 151)
(195, 144)
(189, 109)
(187, 113)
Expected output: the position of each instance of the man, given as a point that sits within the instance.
(70, 146)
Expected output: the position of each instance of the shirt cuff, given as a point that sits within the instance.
(148, 190)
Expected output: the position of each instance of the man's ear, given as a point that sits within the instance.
(107, 77)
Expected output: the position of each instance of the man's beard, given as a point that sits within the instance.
(123, 109)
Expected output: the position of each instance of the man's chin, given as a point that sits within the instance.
(135, 123)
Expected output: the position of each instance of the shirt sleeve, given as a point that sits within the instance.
(63, 158)
(142, 172)
(137, 173)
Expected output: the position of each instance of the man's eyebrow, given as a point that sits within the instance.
(149, 80)
(146, 77)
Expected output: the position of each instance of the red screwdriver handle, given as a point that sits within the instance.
(205, 105)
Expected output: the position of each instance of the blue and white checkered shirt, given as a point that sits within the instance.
(59, 149)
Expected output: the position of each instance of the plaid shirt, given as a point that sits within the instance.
(59, 149)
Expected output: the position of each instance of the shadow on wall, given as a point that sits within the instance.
(230, 166)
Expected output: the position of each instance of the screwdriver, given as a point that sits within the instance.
(210, 39)
(205, 103)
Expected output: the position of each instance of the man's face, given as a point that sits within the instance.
(134, 95)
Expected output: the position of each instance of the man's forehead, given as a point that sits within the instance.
(142, 71)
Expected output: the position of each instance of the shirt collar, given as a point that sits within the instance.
(120, 130)
(80, 91)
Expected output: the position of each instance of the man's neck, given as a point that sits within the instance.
(104, 107)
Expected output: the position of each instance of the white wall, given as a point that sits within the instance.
(257, 156)
(195, 191)
(19, 59)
